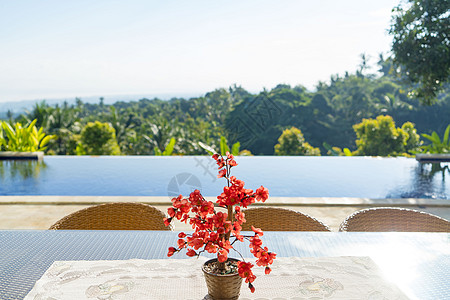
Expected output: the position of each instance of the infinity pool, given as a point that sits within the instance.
(367, 177)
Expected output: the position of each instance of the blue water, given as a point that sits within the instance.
(366, 177)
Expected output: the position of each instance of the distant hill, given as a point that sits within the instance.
(18, 107)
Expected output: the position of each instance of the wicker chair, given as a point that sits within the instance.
(280, 219)
(114, 216)
(394, 219)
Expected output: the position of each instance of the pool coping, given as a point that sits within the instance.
(12, 155)
(272, 201)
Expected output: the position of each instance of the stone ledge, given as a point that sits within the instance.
(9, 155)
(430, 158)
(272, 201)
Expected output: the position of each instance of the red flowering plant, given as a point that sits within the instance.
(216, 231)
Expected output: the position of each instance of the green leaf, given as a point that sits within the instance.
(446, 134)
(32, 124)
(10, 133)
(45, 141)
(347, 152)
(431, 138)
(235, 148)
(436, 137)
(223, 146)
(169, 148)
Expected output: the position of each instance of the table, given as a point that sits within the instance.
(419, 263)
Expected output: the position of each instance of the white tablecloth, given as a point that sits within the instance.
(291, 278)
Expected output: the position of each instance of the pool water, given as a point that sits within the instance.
(366, 177)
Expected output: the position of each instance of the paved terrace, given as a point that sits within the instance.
(39, 212)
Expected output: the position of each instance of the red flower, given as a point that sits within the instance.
(181, 243)
(171, 212)
(207, 207)
(236, 182)
(251, 287)
(219, 219)
(211, 248)
(220, 162)
(265, 257)
(257, 231)
(262, 194)
(175, 200)
(191, 253)
(196, 198)
(172, 250)
(225, 244)
(255, 242)
(167, 221)
(267, 270)
(222, 173)
(184, 206)
(196, 243)
(222, 255)
(245, 271)
(182, 235)
(247, 201)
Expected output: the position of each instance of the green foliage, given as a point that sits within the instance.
(380, 137)
(332, 151)
(292, 142)
(23, 139)
(336, 151)
(224, 147)
(235, 149)
(168, 150)
(98, 139)
(256, 121)
(347, 152)
(420, 30)
(413, 141)
(437, 146)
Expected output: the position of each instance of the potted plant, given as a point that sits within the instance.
(217, 231)
(23, 142)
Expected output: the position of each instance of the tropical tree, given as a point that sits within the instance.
(292, 142)
(123, 123)
(420, 30)
(413, 141)
(98, 139)
(161, 134)
(380, 137)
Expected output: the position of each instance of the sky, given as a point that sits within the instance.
(78, 48)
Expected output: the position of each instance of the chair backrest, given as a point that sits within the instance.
(114, 216)
(281, 219)
(394, 219)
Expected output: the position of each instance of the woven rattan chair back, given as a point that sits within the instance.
(281, 219)
(114, 216)
(394, 219)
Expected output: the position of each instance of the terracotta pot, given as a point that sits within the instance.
(221, 287)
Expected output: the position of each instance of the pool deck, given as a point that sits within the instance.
(40, 212)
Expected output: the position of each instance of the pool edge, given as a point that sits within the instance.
(273, 201)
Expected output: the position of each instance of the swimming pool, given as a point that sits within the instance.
(366, 177)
